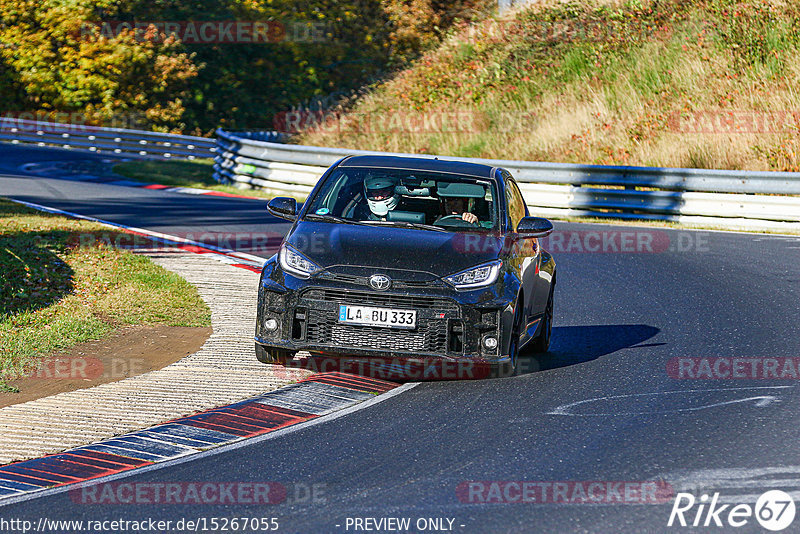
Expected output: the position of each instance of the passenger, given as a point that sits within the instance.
(459, 206)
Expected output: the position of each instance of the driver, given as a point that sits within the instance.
(459, 206)
(381, 194)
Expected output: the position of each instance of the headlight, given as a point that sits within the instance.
(482, 275)
(295, 263)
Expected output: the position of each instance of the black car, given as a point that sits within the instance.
(399, 257)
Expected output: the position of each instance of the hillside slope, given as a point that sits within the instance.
(707, 84)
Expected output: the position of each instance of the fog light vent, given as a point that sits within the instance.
(299, 324)
(455, 337)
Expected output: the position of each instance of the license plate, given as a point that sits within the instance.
(385, 317)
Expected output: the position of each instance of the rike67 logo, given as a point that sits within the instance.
(774, 510)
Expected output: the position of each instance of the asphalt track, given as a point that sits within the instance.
(601, 406)
(237, 223)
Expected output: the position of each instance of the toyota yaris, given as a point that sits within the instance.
(408, 257)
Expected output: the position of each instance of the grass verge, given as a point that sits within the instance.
(179, 173)
(61, 286)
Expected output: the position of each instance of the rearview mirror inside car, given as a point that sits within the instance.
(283, 207)
(534, 227)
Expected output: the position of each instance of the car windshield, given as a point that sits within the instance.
(436, 201)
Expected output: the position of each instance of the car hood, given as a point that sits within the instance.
(411, 253)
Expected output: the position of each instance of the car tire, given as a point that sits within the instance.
(273, 356)
(542, 342)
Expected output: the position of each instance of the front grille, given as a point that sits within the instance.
(347, 336)
(324, 329)
(364, 281)
(366, 298)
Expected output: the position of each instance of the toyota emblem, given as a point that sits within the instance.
(380, 282)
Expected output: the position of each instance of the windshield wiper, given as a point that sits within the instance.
(406, 224)
(334, 218)
(403, 224)
(425, 226)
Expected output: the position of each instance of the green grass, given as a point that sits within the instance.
(576, 64)
(62, 284)
(178, 173)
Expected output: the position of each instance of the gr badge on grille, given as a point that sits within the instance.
(381, 282)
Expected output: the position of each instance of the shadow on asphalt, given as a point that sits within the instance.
(572, 345)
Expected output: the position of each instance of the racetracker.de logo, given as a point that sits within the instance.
(558, 31)
(398, 122)
(395, 122)
(188, 32)
(565, 492)
(735, 122)
(85, 368)
(207, 493)
(266, 243)
(607, 241)
(60, 122)
(634, 241)
(723, 368)
(399, 368)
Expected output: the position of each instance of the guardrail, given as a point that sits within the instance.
(119, 141)
(728, 199)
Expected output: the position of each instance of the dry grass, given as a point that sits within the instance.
(626, 99)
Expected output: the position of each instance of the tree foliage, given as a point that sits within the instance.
(54, 64)
(55, 56)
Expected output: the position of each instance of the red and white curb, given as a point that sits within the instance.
(313, 398)
(185, 190)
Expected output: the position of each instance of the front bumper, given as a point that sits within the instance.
(451, 325)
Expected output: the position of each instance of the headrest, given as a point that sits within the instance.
(413, 191)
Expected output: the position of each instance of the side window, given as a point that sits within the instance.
(521, 198)
(514, 200)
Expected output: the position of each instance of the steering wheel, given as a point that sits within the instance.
(449, 220)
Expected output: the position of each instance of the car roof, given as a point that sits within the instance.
(420, 164)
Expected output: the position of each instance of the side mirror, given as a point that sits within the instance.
(283, 207)
(534, 227)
